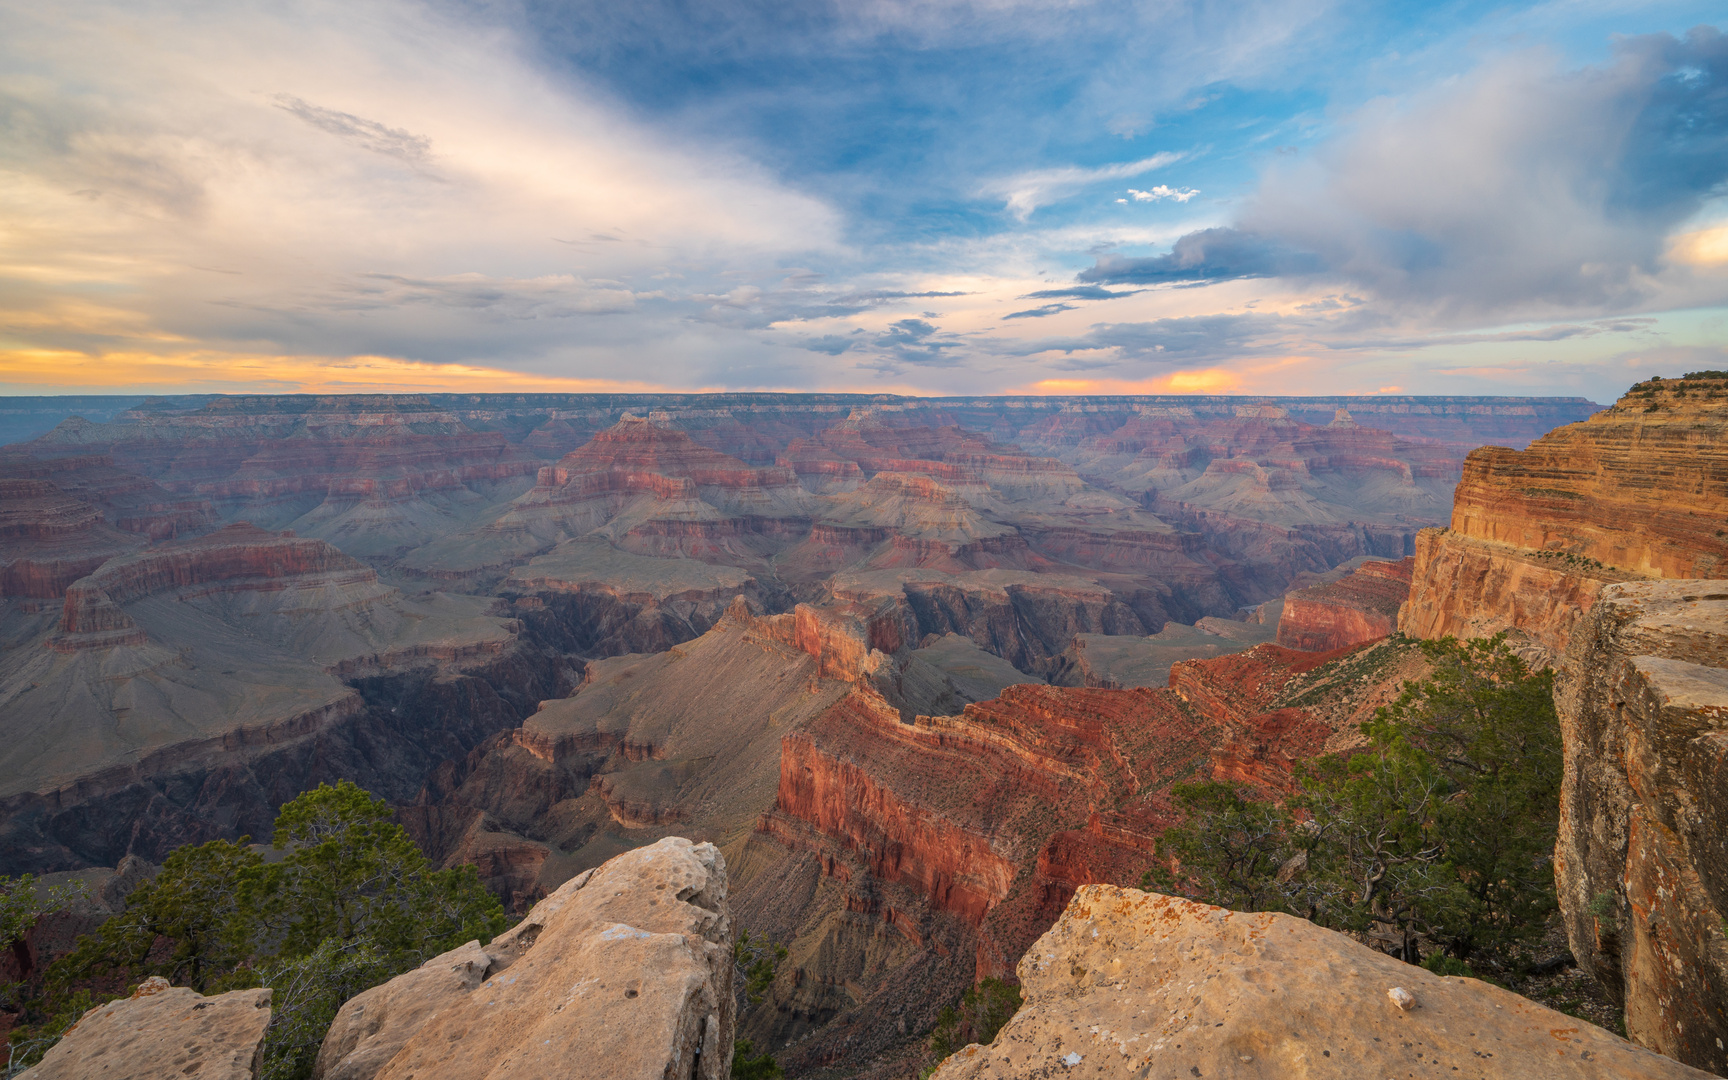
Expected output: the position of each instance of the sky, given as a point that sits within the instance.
(933, 197)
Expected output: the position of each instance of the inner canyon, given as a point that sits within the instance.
(920, 670)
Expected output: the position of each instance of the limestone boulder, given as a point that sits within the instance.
(623, 972)
(1133, 984)
(372, 1026)
(163, 1031)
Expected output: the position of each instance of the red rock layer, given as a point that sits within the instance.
(239, 556)
(637, 454)
(999, 813)
(1639, 490)
(1361, 607)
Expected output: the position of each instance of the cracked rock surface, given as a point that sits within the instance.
(164, 1031)
(1134, 984)
(625, 972)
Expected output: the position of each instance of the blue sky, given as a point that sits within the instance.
(983, 197)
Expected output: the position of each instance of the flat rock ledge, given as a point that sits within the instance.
(164, 1031)
(1134, 984)
(624, 973)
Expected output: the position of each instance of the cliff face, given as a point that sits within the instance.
(902, 861)
(1360, 607)
(1133, 984)
(1636, 491)
(1642, 861)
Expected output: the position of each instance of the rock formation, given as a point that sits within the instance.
(1133, 984)
(201, 659)
(1642, 861)
(624, 972)
(1637, 491)
(1360, 607)
(163, 1031)
(902, 861)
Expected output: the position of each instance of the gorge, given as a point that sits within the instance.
(920, 668)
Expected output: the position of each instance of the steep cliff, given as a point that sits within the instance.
(1642, 860)
(1133, 984)
(1357, 608)
(1637, 491)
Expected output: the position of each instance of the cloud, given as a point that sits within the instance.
(556, 296)
(1079, 292)
(1161, 192)
(387, 177)
(1521, 190)
(1208, 255)
(1027, 191)
(368, 134)
(1039, 312)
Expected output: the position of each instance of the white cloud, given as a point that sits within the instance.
(1027, 191)
(1160, 192)
(321, 176)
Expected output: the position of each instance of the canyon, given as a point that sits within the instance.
(920, 668)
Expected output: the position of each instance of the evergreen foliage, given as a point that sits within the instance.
(351, 903)
(1440, 835)
(976, 1018)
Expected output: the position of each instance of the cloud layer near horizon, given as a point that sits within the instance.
(398, 194)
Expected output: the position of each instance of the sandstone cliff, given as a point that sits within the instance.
(1642, 860)
(1132, 984)
(1637, 491)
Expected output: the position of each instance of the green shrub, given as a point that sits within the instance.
(1441, 834)
(351, 904)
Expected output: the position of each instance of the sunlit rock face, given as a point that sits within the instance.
(625, 972)
(1600, 550)
(1358, 608)
(1638, 491)
(1132, 984)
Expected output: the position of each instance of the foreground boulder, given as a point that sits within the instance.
(624, 972)
(1642, 857)
(164, 1031)
(1133, 984)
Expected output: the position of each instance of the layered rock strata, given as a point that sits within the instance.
(163, 1031)
(1132, 984)
(624, 972)
(136, 719)
(1637, 491)
(1642, 859)
(1360, 607)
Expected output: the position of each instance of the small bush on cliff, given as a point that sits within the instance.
(1441, 833)
(759, 961)
(975, 1018)
(352, 902)
(749, 1065)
